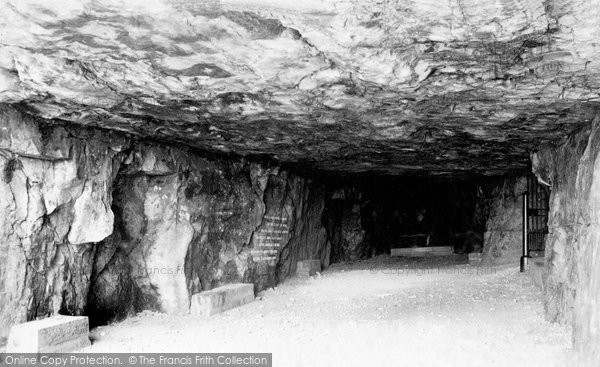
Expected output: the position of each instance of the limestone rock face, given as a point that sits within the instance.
(503, 236)
(93, 222)
(343, 85)
(572, 286)
(55, 197)
(345, 227)
(186, 224)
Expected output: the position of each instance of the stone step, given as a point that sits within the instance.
(306, 268)
(221, 299)
(57, 334)
(423, 251)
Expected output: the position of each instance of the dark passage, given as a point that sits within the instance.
(368, 217)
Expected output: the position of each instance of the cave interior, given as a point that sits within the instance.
(224, 141)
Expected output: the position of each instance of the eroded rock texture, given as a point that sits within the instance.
(186, 224)
(423, 87)
(179, 223)
(572, 289)
(503, 236)
(55, 197)
(345, 228)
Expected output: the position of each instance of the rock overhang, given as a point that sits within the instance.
(350, 87)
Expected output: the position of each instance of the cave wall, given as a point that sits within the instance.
(345, 226)
(187, 224)
(572, 276)
(503, 236)
(55, 197)
(98, 223)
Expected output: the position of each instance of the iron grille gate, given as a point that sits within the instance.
(535, 219)
(537, 214)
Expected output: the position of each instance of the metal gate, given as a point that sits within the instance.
(535, 219)
(537, 214)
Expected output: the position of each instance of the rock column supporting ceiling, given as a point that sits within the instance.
(393, 87)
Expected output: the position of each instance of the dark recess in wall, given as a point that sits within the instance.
(366, 217)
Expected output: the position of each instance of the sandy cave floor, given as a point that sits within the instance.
(380, 312)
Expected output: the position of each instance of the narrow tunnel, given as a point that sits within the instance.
(300, 183)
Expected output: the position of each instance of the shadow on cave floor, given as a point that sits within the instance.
(381, 312)
(397, 262)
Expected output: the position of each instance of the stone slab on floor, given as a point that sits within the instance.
(423, 251)
(57, 334)
(221, 299)
(536, 254)
(475, 257)
(306, 268)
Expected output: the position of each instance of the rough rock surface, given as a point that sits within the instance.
(572, 284)
(186, 224)
(503, 236)
(179, 223)
(55, 197)
(344, 85)
(344, 226)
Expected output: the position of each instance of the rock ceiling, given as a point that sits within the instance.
(399, 87)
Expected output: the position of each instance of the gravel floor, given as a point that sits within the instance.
(381, 312)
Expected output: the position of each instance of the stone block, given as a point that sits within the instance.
(57, 334)
(475, 257)
(306, 268)
(537, 254)
(423, 251)
(221, 299)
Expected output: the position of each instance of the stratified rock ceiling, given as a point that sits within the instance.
(401, 87)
